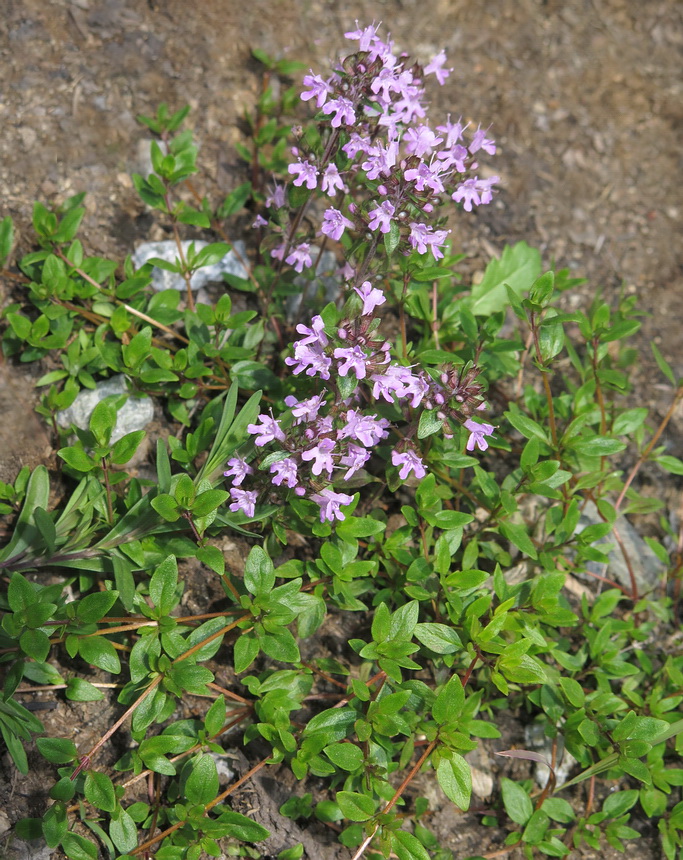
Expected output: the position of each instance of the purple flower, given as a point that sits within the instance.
(478, 434)
(421, 140)
(424, 176)
(381, 217)
(468, 192)
(318, 89)
(423, 236)
(279, 252)
(453, 157)
(484, 186)
(332, 181)
(356, 144)
(367, 429)
(259, 221)
(300, 257)
(343, 112)
(356, 457)
(267, 431)
(372, 297)
(311, 359)
(322, 455)
(335, 223)
(304, 171)
(239, 468)
(244, 500)
(329, 502)
(276, 198)
(435, 67)
(380, 160)
(409, 462)
(354, 359)
(452, 130)
(480, 141)
(305, 410)
(285, 470)
(314, 334)
(366, 36)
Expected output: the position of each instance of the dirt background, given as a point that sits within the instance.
(584, 99)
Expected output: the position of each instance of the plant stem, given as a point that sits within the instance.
(546, 385)
(107, 488)
(646, 452)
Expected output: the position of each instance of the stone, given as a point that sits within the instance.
(647, 568)
(231, 264)
(135, 414)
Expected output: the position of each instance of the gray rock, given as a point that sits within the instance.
(647, 568)
(537, 741)
(231, 264)
(326, 277)
(135, 414)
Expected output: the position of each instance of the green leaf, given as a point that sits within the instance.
(199, 779)
(99, 652)
(449, 703)
(6, 240)
(429, 424)
(99, 790)
(208, 501)
(95, 606)
(55, 824)
(125, 447)
(536, 827)
(259, 574)
(663, 364)
(123, 832)
(517, 534)
(57, 750)
(408, 847)
(167, 507)
(670, 464)
(77, 847)
(629, 421)
(245, 651)
(281, 645)
(355, 806)
(80, 690)
(438, 638)
(346, 756)
(516, 801)
(518, 267)
(102, 421)
(25, 534)
(243, 828)
(589, 732)
(64, 789)
(215, 717)
(558, 809)
(597, 446)
(35, 644)
(620, 802)
(332, 724)
(77, 458)
(162, 585)
(455, 778)
(403, 621)
(359, 527)
(449, 519)
(20, 593)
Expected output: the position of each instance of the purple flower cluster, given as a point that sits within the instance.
(377, 98)
(378, 147)
(330, 438)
